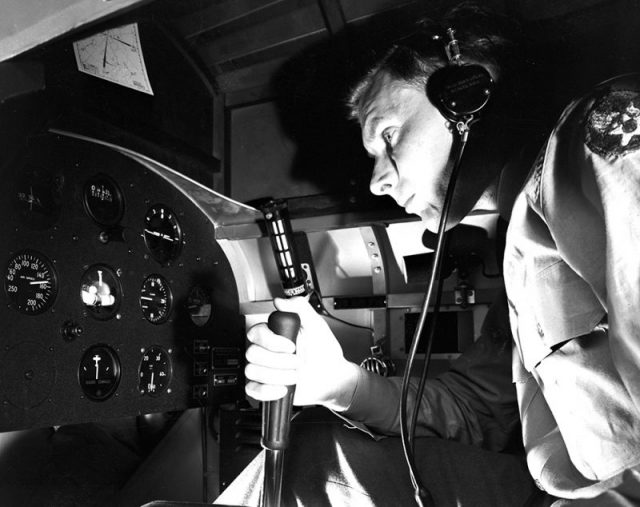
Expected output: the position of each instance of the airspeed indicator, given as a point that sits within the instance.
(30, 282)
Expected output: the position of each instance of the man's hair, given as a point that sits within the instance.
(482, 37)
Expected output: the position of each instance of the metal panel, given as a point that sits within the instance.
(357, 10)
(256, 76)
(268, 33)
(231, 14)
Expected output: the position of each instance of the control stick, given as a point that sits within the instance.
(276, 418)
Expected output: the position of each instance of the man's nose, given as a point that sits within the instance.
(384, 178)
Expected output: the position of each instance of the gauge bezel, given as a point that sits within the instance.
(200, 320)
(50, 300)
(38, 198)
(142, 388)
(98, 215)
(164, 256)
(117, 368)
(169, 304)
(100, 312)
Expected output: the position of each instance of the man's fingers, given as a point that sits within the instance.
(264, 392)
(261, 335)
(309, 318)
(263, 357)
(266, 375)
(297, 304)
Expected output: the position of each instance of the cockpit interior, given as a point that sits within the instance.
(139, 140)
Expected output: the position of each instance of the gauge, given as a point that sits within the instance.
(156, 299)
(155, 371)
(199, 305)
(30, 282)
(103, 200)
(39, 197)
(99, 372)
(162, 234)
(101, 291)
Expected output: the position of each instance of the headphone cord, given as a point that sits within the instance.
(435, 311)
(421, 493)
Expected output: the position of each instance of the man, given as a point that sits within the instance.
(570, 262)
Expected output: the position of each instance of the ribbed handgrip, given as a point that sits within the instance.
(276, 415)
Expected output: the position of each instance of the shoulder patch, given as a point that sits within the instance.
(613, 124)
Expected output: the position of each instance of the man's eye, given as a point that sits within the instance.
(389, 137)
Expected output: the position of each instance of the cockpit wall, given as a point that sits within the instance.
(117, 299)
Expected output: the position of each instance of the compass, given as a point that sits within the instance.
(114, 55)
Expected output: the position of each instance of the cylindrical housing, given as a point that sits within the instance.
(276, 216)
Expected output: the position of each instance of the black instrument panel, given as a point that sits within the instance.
(116, 296)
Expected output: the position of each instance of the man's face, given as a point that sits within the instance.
(410, 142)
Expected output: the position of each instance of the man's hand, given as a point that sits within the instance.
(318, 368)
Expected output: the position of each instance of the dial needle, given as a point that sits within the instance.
(122, 42)
(97, 359)
(159, 234)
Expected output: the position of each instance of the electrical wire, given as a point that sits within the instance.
(421, 493)
(325, 312)
(427, 357)
(357, 326)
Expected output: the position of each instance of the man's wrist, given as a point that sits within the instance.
(347, 381)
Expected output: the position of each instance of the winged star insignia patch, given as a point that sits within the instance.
(613, 124)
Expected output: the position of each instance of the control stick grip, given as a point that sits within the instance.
(276, 415)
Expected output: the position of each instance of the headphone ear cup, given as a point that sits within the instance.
(460, 91)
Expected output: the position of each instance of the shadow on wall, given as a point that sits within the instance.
(312, 88)
(571, 53)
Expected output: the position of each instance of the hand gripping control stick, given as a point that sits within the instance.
(276, 418)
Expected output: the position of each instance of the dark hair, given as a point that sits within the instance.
(483, 37)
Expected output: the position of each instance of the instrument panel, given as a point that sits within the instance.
(117, 299)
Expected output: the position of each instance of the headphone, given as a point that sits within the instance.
(459, 90)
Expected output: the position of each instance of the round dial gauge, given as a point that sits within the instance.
(199, 305)
(30, 282)
(39, 197)
(162, 234)
(103, 200)
(101, 291)
(155, 371)
(156, 299)
(99, 372)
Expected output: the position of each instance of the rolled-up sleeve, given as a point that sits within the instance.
(474, 402)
